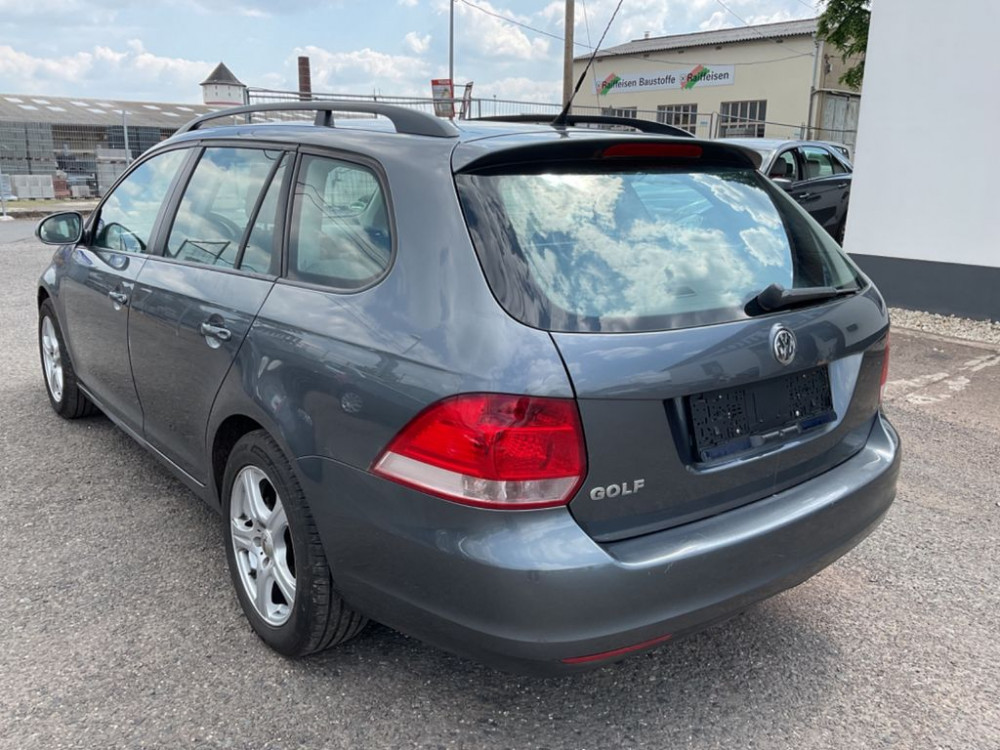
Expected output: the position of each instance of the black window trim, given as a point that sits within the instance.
(348, 157)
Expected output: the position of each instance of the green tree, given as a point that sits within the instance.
(844, 24)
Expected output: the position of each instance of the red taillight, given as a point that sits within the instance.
(652, 151)
(885, 370)
(491, 450)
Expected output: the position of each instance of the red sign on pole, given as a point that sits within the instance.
(443, 91)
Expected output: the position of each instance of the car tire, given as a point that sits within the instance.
(61, 384)
(276, 559)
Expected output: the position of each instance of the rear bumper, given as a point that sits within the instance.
(526, 590)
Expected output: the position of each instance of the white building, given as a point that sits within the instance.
(923, 220)
(776, 80)
(222, 88)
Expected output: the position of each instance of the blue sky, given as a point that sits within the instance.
(161, 50)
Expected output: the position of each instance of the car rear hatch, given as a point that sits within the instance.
(645, 259)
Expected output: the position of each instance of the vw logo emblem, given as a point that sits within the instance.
(783, 345)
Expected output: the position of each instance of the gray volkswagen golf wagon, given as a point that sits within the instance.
(540, 395)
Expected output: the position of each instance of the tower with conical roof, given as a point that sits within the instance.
(222, 88)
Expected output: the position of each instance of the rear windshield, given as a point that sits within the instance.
(569, 248)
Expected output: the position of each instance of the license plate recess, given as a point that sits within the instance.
(733, 420)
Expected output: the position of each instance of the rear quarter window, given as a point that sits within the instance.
(341, 234)
(584, 249)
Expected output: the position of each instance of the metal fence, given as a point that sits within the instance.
(65, 160)
(705, 125)
(49, 160)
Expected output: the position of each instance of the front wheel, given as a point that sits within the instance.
(68, 401)
(275, 556)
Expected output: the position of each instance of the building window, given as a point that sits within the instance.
(742, 119)
(684, 116)
(620, 111)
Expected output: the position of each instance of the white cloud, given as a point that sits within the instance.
(518, 88)
(633, 20)
(134, 71)
(61, 12)
(417, 44)
(718, 20)
(253, 12)
(408, 3)
(483, 35)
(365, 70)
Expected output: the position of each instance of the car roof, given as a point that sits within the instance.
(375, 136)
(773, 144)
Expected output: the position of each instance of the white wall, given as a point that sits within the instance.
(927, 179)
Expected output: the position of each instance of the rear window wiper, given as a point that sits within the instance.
(776, 297)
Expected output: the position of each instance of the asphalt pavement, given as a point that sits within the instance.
(119, 627)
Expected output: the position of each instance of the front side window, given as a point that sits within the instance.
(218, 205)
(785, 167)
(340, 233)
(594, 249)
(129, 213)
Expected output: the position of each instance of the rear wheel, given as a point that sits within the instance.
(68, 401)
(275, 556)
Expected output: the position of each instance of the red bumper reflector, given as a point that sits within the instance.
(617, 652)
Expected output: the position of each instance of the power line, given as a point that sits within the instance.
(488, 12)
(590, 48)
(742, 20)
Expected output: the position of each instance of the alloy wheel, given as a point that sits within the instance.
(261, 539)
(52, 360)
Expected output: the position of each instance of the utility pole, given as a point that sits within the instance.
(568, 54)
(451, 50)
(128, 149)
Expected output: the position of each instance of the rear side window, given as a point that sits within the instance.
(819, 163)
(218, 204)
(587, 250)
(340, 231)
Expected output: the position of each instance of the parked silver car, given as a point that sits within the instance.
(817, 174)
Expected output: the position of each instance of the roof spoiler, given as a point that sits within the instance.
(644, 126)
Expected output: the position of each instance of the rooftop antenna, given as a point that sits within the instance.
(562, 118)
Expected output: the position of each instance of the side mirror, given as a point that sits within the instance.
(60, 229)
(783, 182)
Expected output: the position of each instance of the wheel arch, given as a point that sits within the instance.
(228, 433)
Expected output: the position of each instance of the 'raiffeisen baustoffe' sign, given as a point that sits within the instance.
(660, 80)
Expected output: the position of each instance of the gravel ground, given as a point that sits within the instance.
(984, 331)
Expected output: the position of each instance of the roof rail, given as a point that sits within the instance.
(645, 126)
(408, 121)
